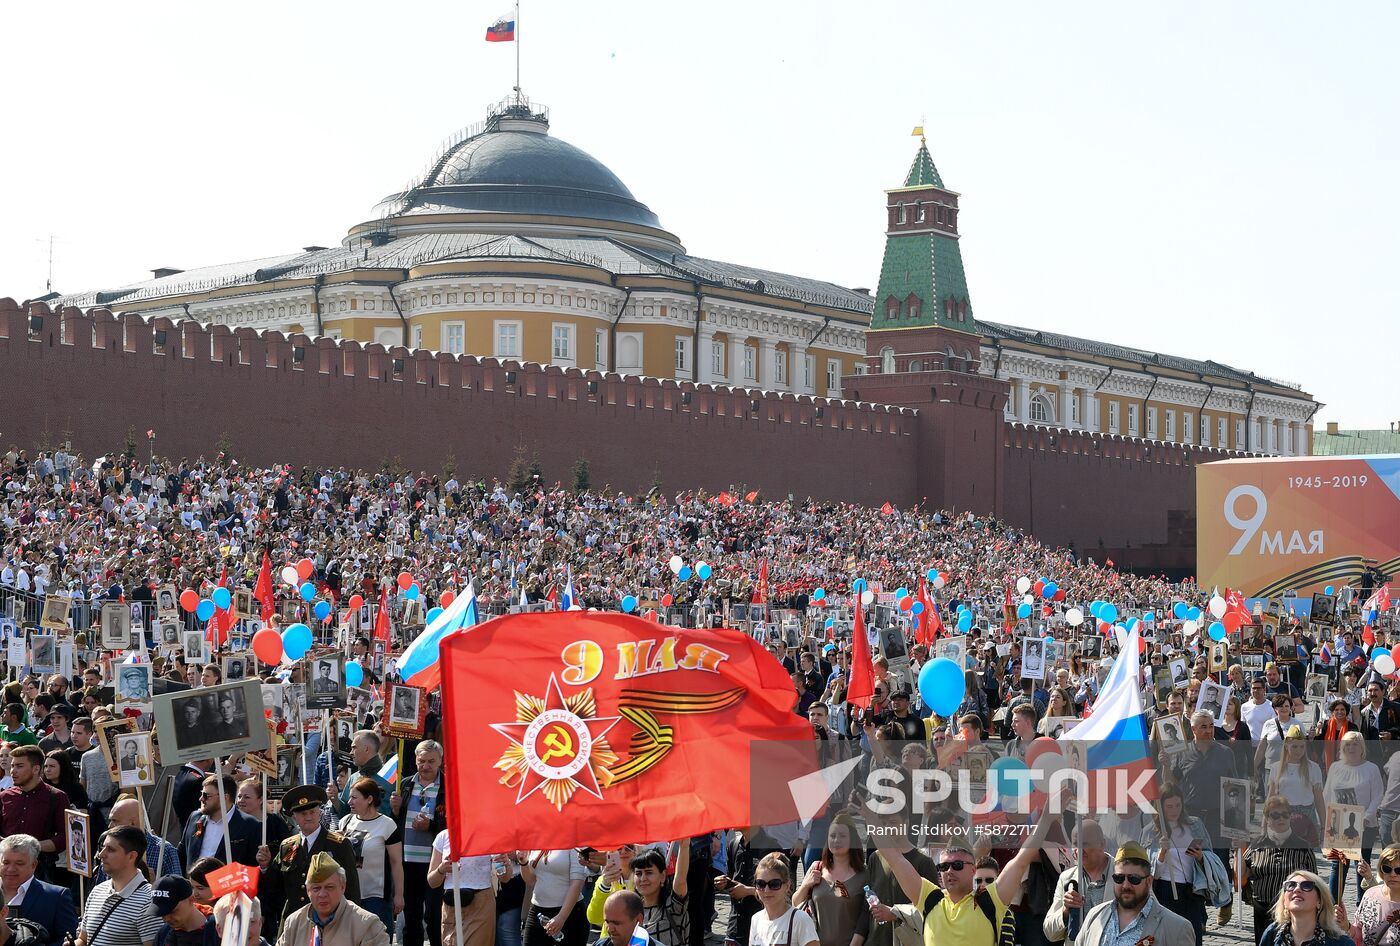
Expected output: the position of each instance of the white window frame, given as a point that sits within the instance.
(570, 336)
(1222, 432)
(1239, 436)
(1187, 426)
(600, 349)
(1040, 405)
(497, 338)
(447, 329)
(1074, 409)
(833, 377)
(780, 362)
(1169, 428)
(750, 363)
(1205, 429)
(717, 358)
(1132, 420)
(683, 356)
(1113, 417)
(809, 372)
(417, 336)
(1152, 423)
(903, 216)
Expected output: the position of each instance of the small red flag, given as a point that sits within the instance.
(262, 591)
(751, 495)
(862, 686)
(381, 620)
(887, 509)
(613, 737)
(233, 878)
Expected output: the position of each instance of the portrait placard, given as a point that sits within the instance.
(1286, 648)
(235, 668)
(133, 684)
(1341, 829)
(407, 711)
(43, 651)
(116, 627)
(108, 731)
(167, 603)
(56, 608)
(327, 689)
(79, 849)
(135, 760)
(210, 722)
(1315, 687)
(1219, 656)
(242, 604)
(1236, 795)
(1032, 658)
(1212, 699)
(196, 647)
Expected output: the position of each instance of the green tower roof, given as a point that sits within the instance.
(922, 173)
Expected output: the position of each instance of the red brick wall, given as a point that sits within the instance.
(94, 376)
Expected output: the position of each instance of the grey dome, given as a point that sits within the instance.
(525, 172)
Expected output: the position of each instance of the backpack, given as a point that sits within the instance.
(1004, 934)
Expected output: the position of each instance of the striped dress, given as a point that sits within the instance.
(1269, 865)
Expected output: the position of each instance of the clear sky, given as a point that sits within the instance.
(1216, 180)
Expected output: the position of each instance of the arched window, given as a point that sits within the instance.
(1042, 411)
(891, 309)
(913, 306)
(887, 360)
(916, 365)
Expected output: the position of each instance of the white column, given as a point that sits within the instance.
(1023, 400)
(1066, 415)
(1251, 434)
(1270, 435)
(1089, 408)
(797, 368)
(736, 360)
(702, 372)
(767, 370)
(1300, 442)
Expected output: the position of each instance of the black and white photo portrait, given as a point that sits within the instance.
(1212, 699)
(327, 687)
(116, 626)
(43, 653)
(1032, 658)
(133, 683)
(211, 722)
(194, 644)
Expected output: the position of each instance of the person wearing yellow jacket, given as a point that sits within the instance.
(664, 911)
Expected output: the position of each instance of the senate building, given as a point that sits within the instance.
(518, 246)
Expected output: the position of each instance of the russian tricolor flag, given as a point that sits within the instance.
(419, 667)
(390, 771)
(502, 31)
(1115, 737)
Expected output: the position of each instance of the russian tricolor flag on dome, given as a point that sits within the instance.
(1114, 739)
(502, 31)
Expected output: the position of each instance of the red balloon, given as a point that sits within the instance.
(1059, 594)
(1232, 621)
(356, 602)
(448, 597)
(666, 601)
(189, 599)
(267, 644)
(906, 603)
(1042, 746)
(405, 580)
(1038, 587)
(305, 567)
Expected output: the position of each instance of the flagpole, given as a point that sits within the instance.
(517, 52)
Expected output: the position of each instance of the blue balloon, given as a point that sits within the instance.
(413, 592)
(354, 674)
(205, 610)
(1329, 590)
(830, 622)
(629, 603)
(1179, 610)
(684, 573)
(434, 614)
(964, 625)
(819, 594)
(1001, 780)
(933, 574)
(858, 585)
(917, 607)
(942, 686)
(1050, 590)
(1149, 617)
(1094, 607)
(222, 598)
(1023, 610)
(1193, 614)
(704, 571)
(1378, 651)
(308, 591)
(1108, 613)
(1049, 637)
(296, 641)
(322, 610)
(900, 592)
(1217, 631)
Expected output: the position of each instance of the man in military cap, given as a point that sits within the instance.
(288, 871)
(330, 910)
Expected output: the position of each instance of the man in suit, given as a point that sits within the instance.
(204, 832)
(189, 782)
(1380, 720)
(288, 871)
(28, 897)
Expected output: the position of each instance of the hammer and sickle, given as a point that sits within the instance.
(560, 742)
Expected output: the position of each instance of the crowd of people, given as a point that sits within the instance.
(348, 852)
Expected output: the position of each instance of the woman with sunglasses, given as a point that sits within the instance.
(1270, 858)
(1305, 914)
(1378, 917)
(779, 923)
(835, 885)
(1299, 780)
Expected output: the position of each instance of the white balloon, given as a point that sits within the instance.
(1023, 585)
(867, 596)
(1074, 617)
(1028, 599)
(940, 581)
(1385, 665)
(290, 576)
(677, 563)
(1189, 627)
(1217, 606)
